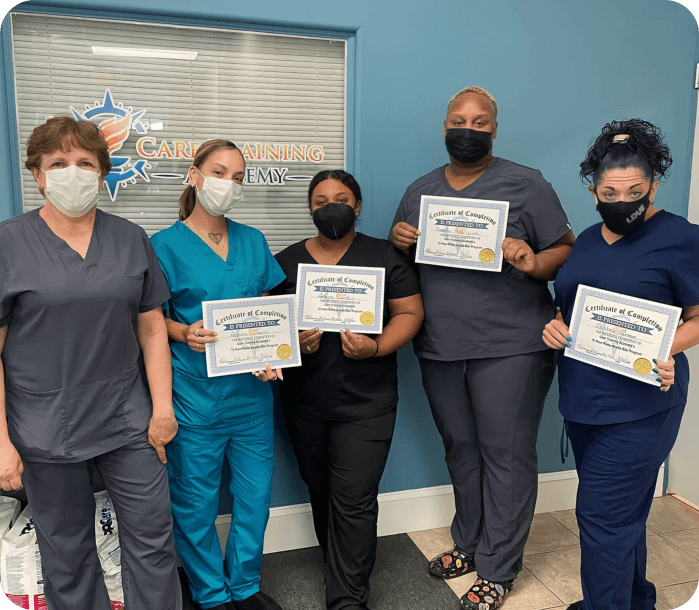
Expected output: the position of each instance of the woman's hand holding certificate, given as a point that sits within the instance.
(519, 254)
(626, 335)
(257, 334)
(463, 233)
(336, 298)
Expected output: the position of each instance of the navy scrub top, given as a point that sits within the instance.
(329, 386)
(195, 273)
(74, 384)
(658, 262)
(480, 314)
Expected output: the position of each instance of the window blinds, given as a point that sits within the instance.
(160, 91)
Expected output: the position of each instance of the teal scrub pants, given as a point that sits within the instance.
(195, 460)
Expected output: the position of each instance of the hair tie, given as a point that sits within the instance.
(621, 139)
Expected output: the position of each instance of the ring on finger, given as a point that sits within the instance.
(196, 333)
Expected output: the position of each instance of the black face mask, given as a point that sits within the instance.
(334, 220)
(623, 217)
(468, 145)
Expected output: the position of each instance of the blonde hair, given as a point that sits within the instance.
(480, 91)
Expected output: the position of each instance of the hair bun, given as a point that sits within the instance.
(645, 148)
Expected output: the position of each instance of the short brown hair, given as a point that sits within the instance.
(189, 196)
(63, 132)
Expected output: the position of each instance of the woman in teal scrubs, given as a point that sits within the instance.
(206, 257)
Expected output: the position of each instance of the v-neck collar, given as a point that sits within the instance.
(464, 190)
(64, 250)
(197, 241)
(339, 260)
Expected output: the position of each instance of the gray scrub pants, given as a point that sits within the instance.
(488, 413)
(63, 508)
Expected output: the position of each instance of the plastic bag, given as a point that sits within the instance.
(20, 565)
(20, 561)
(9, 511)
(108, 549)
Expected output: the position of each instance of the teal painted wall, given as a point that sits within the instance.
(560, 69)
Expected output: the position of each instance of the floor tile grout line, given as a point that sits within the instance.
(691, 557)
(576, 534)
(651, 532)
(684, 582)
(545, 585)
(565, 548)
(689, 529)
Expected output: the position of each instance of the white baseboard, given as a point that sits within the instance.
(291, 527)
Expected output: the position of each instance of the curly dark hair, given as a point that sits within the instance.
(645, 149)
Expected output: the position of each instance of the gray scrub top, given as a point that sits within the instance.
(74, 381)
(479, 314)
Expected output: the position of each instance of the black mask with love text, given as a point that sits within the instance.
(334, 220)
(623, 217)
(468, 145)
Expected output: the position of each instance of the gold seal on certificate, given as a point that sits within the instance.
(486, 255)
(642, 366)
(251, 333)
(284, 351)
(620, 333)
(334, 298)
(367, 318)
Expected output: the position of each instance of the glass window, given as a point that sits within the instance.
(159, 91)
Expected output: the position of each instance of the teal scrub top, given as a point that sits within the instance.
(195, 273)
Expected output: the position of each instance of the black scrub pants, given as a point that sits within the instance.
(342, 463)
(63, 508)
(488, 413)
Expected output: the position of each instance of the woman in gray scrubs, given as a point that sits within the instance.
(80, 326)
(485, 369)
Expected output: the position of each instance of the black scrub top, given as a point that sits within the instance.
(484, 314)
(329, 385)
(74, 384)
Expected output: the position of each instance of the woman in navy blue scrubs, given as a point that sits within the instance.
(622, 430)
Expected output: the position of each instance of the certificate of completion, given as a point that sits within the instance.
(334, 297)
(620, 333)
(464, 233)
(251, 333)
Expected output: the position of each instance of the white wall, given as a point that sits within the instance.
(683, 478)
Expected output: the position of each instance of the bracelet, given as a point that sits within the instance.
(377, 349)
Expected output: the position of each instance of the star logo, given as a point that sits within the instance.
(116, 123)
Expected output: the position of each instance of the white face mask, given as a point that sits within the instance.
(74, 191)
(219, 196)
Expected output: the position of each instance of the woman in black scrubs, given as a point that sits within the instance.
(340, 406)
(81, 325)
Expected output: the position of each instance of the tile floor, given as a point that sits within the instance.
(551, 575)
